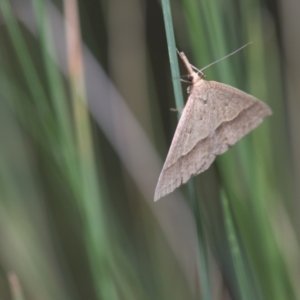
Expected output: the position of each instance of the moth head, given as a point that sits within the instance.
(195, 77)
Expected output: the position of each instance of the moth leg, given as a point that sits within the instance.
(180, 110)
(186, 81)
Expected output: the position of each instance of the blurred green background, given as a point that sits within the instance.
(85, 124)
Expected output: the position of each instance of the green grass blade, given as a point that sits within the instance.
(57, 92)
(24, 57)
(172, 54)
(241, 274)
(91, 197)
(203, 268)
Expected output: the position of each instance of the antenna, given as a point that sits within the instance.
(220, 58)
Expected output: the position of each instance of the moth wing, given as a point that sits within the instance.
(215, 117)
(235, 114)
(189, 151)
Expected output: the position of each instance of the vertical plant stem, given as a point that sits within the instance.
(57, 93)
(202, 242)
(204, 273)
(172, 53)
(26, 62)
(91, 195)
(235, 249)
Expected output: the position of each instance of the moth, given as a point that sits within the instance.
(214, 118)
